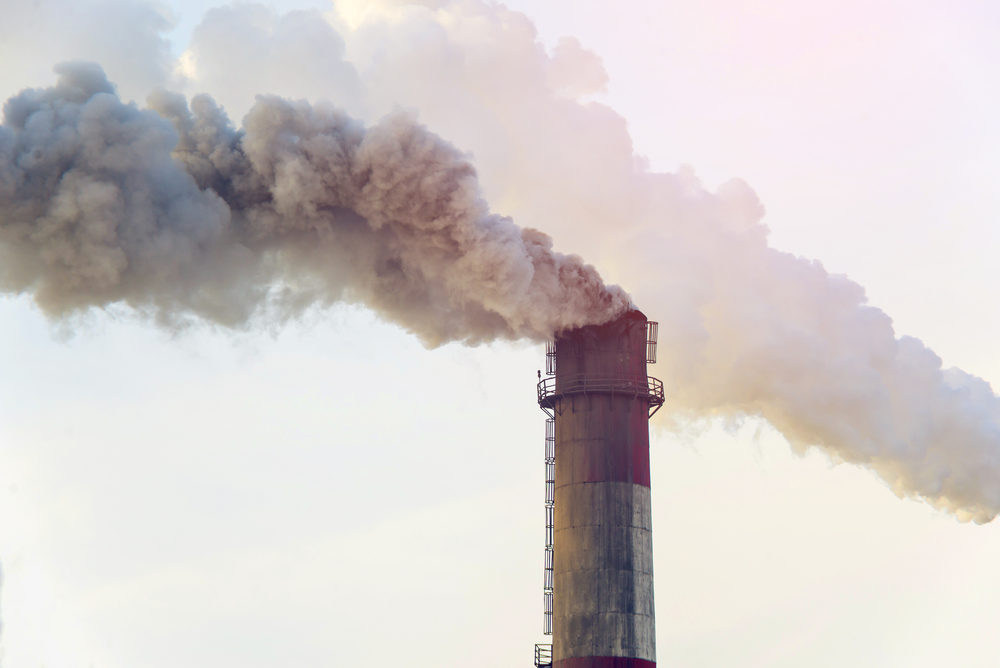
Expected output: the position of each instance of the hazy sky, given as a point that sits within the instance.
(330, 492)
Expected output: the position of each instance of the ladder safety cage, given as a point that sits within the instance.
(549, 565)
(550, 517)
(547, 626)
(550, 358)
(550, 441)
(549, 531)
(652, 330)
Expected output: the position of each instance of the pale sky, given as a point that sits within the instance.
(330, 492)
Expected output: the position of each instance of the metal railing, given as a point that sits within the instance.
(543, 655)
(551, 389)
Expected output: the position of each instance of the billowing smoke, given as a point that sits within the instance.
(173, 212)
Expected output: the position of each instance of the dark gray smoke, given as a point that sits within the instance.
(177, 214)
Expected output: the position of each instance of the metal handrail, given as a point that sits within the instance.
(543, 655)
(550, 389)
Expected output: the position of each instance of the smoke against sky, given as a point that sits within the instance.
(106, 203)
(872, 119)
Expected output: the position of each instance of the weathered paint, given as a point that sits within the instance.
(604, 571)
(603, 616)
(602, 438)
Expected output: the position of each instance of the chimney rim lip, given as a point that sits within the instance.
(632, 314)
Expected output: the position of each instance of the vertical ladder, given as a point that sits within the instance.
(543, 652)
(550, 500)
(652, 330)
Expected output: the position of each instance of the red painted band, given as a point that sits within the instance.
(640, 464)
(616, 450)
(603, 662)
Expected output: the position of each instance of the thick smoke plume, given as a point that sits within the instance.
(174, 212)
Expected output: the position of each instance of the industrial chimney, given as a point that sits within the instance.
(599, 552)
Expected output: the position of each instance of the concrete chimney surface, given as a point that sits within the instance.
(603, 571)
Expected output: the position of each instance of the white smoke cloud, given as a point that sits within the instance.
(746, 329)
(290, 53)
(127, 37)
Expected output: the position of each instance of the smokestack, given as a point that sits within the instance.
(601, 400)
